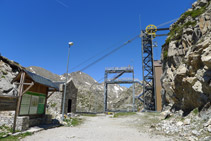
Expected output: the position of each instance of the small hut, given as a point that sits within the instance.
(56, 100)
(33, 92)
(70, 98)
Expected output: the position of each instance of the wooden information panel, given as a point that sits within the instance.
(32, 103)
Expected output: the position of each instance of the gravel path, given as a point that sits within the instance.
(99, 128)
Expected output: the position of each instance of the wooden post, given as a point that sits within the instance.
(51, 93)
(20, 89)
(31, 84)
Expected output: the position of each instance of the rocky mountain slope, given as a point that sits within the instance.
(90, 96)
(45, 73)
(186, 57)
(90, 92)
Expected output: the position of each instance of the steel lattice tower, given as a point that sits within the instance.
(148, 71)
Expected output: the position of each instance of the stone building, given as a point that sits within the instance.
(56, 100)
(70, 98)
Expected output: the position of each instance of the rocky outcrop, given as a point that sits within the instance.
(8, 70)
(186, 57)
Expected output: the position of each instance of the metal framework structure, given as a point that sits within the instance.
(149, 86)
(119, 71)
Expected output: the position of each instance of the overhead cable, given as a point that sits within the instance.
(109, 53)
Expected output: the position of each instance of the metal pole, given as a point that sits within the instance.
(65, 86)
(142, 56)
(105, 92)
(133, 93)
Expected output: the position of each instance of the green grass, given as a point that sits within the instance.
(76, 121)
(15, 138)
(195, 13)
(182, 119)
(123, 114)
(89, 115)
(73, 121)
(165, 54)
(6, 130)
(177, 29)
(196, 111)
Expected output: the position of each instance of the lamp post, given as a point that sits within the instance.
(65, 86)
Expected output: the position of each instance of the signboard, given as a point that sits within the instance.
(32, 103)
(41, 105)
(25, 104)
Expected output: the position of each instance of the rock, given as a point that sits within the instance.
(5, 135)
(202, 3)
(204, 25)
(180, 123)
(192, 138)
(194, 4)
(186, 78)
(208, 138)
(5, 85)
(209, 128)
(172, 50)
(187, 121)
(190, 80)
(206, 56)
(207, 123)
(197, 87)
(182, 69)
(196, 35)
(195, 133)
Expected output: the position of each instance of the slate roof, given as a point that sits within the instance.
(41, 80)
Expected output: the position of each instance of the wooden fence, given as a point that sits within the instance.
(8, 103)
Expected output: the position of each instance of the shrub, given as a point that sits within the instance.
(196, 111)
(53, 105)
(165, 54)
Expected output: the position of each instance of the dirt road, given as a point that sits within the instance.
(99, 128)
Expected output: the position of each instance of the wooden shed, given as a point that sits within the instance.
(33, 93)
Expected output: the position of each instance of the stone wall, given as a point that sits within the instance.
(24, 122)
(46, 119)
(21, 124)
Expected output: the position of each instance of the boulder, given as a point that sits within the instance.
(202, 3)
(209, 128)
(206, 57)
(187, 121)
(197, 87)
(182, 70)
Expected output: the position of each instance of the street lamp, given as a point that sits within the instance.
(65, 86)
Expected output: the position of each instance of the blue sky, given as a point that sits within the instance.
(37, 32)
